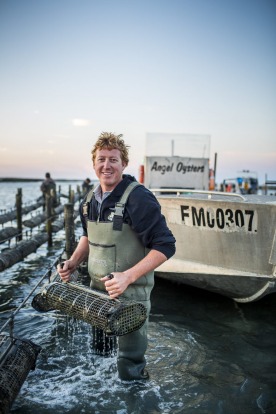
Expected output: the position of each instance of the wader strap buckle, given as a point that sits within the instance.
(85, 209)
(85, 205)
(118, 216)
(120, 207)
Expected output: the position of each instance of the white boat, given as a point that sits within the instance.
(225, 242)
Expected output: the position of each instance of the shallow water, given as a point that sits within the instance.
(206, 353)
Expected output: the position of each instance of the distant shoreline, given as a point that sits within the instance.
(12, 179)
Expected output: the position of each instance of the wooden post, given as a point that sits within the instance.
(58, 196)
(19, 212)
(49, 203)
(72, 197)
(69, 229)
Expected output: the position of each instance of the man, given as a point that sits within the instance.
(86, 186)
(48, 186)
(124, 233)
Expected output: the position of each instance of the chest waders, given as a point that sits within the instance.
(114, 247)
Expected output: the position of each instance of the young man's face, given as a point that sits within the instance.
(109, 168)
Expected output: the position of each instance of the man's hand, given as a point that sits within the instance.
(115, 285)
(65, 269)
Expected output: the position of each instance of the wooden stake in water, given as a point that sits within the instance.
(19, 212)
(49, 206)
(69, 229)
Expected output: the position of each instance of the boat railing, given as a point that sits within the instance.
(179, 191)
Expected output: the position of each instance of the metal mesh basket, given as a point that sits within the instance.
(115, 317)
(17, 358)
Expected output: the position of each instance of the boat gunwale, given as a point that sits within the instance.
(179, 193)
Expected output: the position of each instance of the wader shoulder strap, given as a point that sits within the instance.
(120, 206)
(86, 204)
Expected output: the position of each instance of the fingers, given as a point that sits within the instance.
(112, 289)
(63, 271)
(112, 285)
(64, 265)
(113, 294)
(65, 279)
(107, 277)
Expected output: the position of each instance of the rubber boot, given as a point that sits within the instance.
(131, 360)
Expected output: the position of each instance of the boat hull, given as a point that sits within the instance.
(224, 244)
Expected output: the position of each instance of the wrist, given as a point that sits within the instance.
(73, 264)
(129, 276)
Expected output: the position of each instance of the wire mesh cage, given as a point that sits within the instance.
(17, 358)
(113, 316)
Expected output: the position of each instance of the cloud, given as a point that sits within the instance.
(78, 122)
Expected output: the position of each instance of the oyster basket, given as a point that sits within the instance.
(113, 316)
(17, 358)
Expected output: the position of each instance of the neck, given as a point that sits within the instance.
(105, 189)
(109, 188)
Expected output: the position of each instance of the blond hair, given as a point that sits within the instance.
(111, 141)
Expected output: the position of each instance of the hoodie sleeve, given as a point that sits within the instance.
(143, 214)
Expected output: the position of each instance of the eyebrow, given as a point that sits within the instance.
(113, 157)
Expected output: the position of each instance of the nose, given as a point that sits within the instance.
(106, 163)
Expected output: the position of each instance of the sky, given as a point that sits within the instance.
(71, 69)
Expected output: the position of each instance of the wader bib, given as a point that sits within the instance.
(114, 247)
